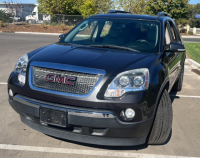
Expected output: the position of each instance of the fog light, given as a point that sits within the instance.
(10, 92)
(128, 114)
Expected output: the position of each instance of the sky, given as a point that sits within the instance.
(35, 1)
(194, 1)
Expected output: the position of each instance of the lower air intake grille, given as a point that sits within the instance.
(83, 84)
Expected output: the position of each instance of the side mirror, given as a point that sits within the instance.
(61, 36)
(176, 47)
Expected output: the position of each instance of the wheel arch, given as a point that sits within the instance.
(164, 86)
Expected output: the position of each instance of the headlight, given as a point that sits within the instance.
(20, 68)
(133, 80)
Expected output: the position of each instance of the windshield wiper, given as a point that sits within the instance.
(115, 47)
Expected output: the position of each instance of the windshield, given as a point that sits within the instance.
(139, 35)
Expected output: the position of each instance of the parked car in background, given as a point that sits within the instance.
(16, 18)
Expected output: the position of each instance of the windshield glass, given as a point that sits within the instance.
(137, 35)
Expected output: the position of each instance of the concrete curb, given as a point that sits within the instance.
(40, 33)
(34, 33)
(193, 63)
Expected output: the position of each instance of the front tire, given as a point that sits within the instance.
(163, 121)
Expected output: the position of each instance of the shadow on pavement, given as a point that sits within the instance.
(138, 147)
(173, 96)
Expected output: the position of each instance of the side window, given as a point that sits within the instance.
(175, 37)
(106, 28)
(167, 39)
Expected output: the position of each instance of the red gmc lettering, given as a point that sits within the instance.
(71, 79)
(63, 79)
(59, 80)
(50, 78)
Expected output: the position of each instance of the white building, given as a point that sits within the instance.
(24, 9)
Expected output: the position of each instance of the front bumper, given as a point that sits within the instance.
(86, 125)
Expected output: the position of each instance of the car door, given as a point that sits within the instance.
(178, 56)
(170, 57)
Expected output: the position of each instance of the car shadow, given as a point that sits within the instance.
(138, 147)
(173, 96)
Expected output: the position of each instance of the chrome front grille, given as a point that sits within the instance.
(83, 85)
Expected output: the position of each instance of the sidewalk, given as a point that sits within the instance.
(196, 36)
(36, 33)
(40, 33)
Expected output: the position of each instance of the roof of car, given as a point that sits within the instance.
(130, 16)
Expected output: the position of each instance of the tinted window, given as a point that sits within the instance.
(136, 34)
(106, 28)
(167, 39)
(85, 31)
(175, 37)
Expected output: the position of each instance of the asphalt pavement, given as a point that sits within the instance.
(191, 39)
(17, 140)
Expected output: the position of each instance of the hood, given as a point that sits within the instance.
(112, 61)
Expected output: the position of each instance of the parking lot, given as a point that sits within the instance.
(18, 140)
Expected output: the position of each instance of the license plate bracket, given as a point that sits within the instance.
(53, 117)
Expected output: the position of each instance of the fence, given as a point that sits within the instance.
(197, 30)
(189, 30)
(55, 19)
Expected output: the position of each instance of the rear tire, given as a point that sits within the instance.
(179, 83)
(163, 121)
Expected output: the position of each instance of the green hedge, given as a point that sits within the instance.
(193, 50)
(5, 18)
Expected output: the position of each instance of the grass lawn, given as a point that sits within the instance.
(193, 50)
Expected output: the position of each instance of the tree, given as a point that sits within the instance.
(13, 8)
(197, 9)
(70, 7)
(4, 18)
(177, 9)
(88, 8)
(91, 7)
(193, 10)
(134, 6)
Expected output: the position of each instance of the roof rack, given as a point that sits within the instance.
(118, 11)
(163, 14)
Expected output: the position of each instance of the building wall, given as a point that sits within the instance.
(26, 10)
(3, 7)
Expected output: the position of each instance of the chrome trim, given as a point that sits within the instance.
(38, 104)
(67, 68)
(91, 114)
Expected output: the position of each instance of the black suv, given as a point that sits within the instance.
(105, 82)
